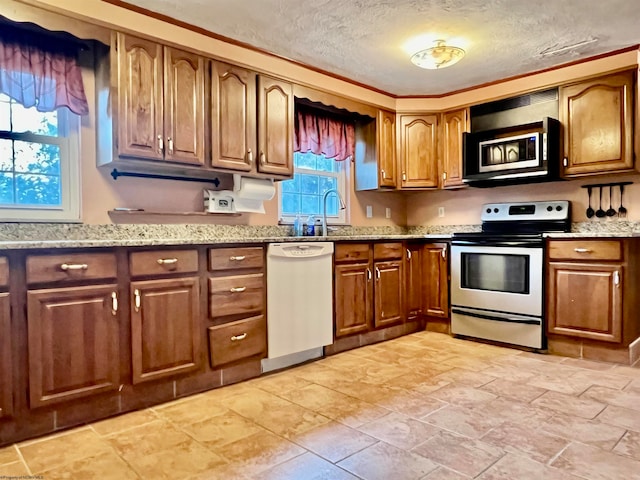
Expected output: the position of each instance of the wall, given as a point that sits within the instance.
(464, 206)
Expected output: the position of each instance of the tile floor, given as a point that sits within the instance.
(424, 406)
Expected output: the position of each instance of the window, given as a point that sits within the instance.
(303, 194)
(39, 174)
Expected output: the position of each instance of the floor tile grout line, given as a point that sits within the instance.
(24, 462)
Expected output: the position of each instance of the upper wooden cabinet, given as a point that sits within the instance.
(597, 116)
(418, 150)
(275, 126)
(386, 147)
(161, 105)
(454, 124)
(244, 138)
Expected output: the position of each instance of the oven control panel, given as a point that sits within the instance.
(539, 211)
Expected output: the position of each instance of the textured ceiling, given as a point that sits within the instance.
(363, 39)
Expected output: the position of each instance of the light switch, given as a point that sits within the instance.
(369, 211)
(441, 211)
(387, 212)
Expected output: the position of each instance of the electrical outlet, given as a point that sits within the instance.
(387, 212)
(441, 211)
(369, 211)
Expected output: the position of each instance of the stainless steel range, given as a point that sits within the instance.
(497, 276)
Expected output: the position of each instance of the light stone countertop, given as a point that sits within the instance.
(55, 236)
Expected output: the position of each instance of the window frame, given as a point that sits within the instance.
(343, 216)
(68, 140)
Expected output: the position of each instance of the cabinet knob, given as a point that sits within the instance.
(136, 300)
(404, 176)
(444, 175)
(160, 145)
(565, 162)
(383, 174)
(408, 254)
(65, 267)
(249, 156)
(263, 158)
(377, 274)
(444, 253)
(114, 303)
(170, 142)
(368, 275)
(237, 338)
(616, 278)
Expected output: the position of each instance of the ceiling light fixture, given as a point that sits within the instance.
(440, 56)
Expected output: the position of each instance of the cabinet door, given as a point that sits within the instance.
(436, 287)
(165, 321)
(140, 105)
(388, 292)
(418, 151)
(233, 118)
(353, 298)
(6, 374)
(597, 116)
(386, 149)
(184, 106)
(415, 282)
(73, 343)
(275, 126)
(454, 124)
(585, 300)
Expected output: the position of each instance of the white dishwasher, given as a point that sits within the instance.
(299, 302)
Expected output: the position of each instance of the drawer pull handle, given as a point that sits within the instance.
(136, 300)
(408, 254)
(368, 275)
(377, 274)
(444, 253)
(65, 267)
(263, 158)
(167, 261)
(237, 289)
(237, 258)
(616, 278)
(114, 303)
(237, 338)
(582, 250)
(170, 141)
(160, 145)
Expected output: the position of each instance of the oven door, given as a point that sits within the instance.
(497, 278)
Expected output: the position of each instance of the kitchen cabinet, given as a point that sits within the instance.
(160, 98)
(73, 327)
(237, 303)
(597, 116)
(165, 314)
(251, 121)
(369, 282)
(435, 278)
(454, 124)
(418, 150)
(386, 148)
(6, 373)
(414, 280)
(73, 342)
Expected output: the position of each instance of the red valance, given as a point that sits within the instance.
(323, 135)
(38, 74)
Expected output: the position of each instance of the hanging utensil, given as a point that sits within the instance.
(600, 213)
(612, 211)
(590, 211)
(622, 212)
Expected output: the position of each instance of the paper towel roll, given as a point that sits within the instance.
(250, 193)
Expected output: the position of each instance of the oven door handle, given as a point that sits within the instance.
(498, 243)
(495, 318)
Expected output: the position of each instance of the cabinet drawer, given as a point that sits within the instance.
(158, 262)
(236, 257)
(383, 251)
(236, 295)
(237, 340)
(4, 271)
(72, 266)
(352, 252)
(585, 250)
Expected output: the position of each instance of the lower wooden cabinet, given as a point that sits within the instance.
(353, 299)
(414, 280)
(73, 343)
(585, 300)
(435, 274)
(165, 327)
(6, 374)
(239, 340)
(388, 293)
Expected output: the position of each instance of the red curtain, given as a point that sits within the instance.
(40, 72)
(321, 134)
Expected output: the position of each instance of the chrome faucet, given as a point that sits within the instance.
(325, 232)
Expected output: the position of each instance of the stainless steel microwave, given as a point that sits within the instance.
(518, 154)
